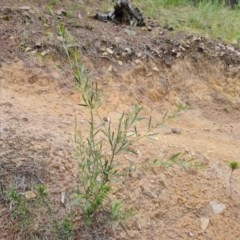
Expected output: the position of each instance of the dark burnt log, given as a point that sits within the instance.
(124, 13)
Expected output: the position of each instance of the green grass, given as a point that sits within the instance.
(207, 18)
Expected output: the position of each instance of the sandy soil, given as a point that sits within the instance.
(39, 111)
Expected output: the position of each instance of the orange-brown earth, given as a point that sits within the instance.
(39, 111)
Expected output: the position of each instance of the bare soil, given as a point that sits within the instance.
(39, 107)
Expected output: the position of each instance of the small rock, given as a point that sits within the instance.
(155, 69)
(149, 28)
(176, 131)
(110, 51)
(118, 40)
(61, 12)
(161, 33)
(130, 32)
(179, 54)
(38, 44)
(139, 227)
(106, 119)
(222, 54)
(204, 223)
(105, 54)
(43, 53)
(26, 16)
(62, 197)
(230, 48)
(25, 8)
(190, 234)
(137, 61)
(30, 195)
(201, 47)
(124, 54)
(28, 49)
(128, 50)
(182, 48)
(110, 68)
(217, 207)
(139, 55)
(120, 63)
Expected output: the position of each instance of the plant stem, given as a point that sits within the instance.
(230, 182)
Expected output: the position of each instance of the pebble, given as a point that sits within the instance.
(190, 234)
(105, 54)
(130, 32)
(176, 131)
(149, 28)
(201, 47)
(182, 48)
(128, 50)
(110, 51)
(179, 54)
(204, 223)
(110, 68)
(118, 39)
(62, 12)
(25, 8)
(137, 61)
(30, 195)
(217, 207)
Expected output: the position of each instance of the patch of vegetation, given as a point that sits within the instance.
(97, 169)
(117, 214)
(180, 159)
(64, 229)
(209, 18)
(233, 166)
(54, 2)
(20, 212)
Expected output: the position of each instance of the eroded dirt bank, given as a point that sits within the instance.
(39, 109)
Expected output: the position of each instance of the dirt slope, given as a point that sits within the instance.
(39, 109)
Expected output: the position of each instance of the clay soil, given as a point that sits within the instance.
(158, 69)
